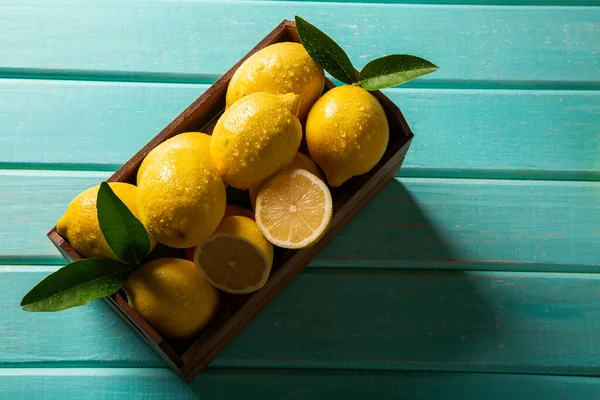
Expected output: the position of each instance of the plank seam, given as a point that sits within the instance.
(81, 367)
(406, 172)
(68, 75)
(324, 269)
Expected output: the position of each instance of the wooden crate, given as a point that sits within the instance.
(188, 359)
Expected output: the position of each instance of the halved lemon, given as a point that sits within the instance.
(300, 161)
(293, 209)
(236, 258)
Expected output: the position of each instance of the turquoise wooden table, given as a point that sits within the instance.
(473, 275)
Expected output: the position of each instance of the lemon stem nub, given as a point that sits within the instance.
(292, 102)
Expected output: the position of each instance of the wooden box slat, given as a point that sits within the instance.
(188, 359)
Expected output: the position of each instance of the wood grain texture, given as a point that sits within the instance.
(460, 133)
(465, 224)
(91, 335)
(413, 223)
(93, 384)
(502, 133)
(75, 125)
(430, 321)
(224, 384)
(358, 385)
(166, 41)
(349, 319)
(28, 210)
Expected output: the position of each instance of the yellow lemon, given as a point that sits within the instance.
(173, 297)
(347, 133)
(232, 210)
(194, 140)
(293, 209)
(181, 198)
(255, 137)
(279, 69)
(80, 226)
(300, 161)
(237, 258)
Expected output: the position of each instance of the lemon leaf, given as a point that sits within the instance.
(326, 52)
(76, 284)
(394, 70)
(125, 235)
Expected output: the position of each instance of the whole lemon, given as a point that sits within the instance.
(300, 161)
(347, 133)
(80, 226)
(279, 69)
(235, 210)
(255, 137)
(194, 140)
(173, 296)
(181, 198)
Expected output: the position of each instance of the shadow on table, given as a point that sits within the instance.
(400, 310)
(441, 318)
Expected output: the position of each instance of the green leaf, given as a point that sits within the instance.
(77, 284)
(327, 53)
(393, 70)
(125, 235)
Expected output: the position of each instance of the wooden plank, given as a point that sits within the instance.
(32, 202)
(92, 384)
(349, 319)
(92, 335)
(477, 2)
(85, 120)
(166, 41)
(460, 133)
(224, 384)
(475, 224)
(500, 322)
(289, 385)
(502, 133)
(413, 223)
